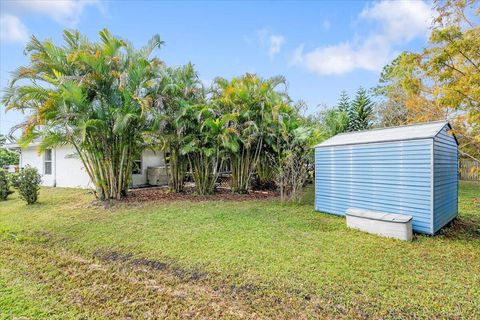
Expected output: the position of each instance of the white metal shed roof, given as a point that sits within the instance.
(409, 132)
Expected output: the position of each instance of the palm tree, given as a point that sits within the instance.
(249, 102)
(179, 88)
(206, 144)
(97, 97)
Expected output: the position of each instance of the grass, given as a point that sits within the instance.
(66, 258)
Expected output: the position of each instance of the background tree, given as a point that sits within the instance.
(405, 97)
(391, 108)
(344, 102)
(361, 111)
(342, 119)
(333, 122)
(452, 62)
(443, 81)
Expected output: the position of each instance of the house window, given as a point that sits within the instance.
(47, 161)
(137, 166)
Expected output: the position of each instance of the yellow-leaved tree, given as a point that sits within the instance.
(442, 81)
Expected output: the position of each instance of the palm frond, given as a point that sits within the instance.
(51, 140)
(154, 43)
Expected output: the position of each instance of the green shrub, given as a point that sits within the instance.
(4, 185)
(27, 182)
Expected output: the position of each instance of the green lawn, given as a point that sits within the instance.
(67, 258)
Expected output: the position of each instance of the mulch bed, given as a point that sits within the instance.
(222, 194)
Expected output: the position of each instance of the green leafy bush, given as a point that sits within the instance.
(7, 157)
(4, 185)
(27, 182)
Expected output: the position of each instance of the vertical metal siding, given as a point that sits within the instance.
(445, 151)
(392, 177)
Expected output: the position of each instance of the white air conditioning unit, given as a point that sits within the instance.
(157, 176)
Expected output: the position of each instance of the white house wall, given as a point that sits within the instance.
(69, 169)
(31, 157)
(69, 172)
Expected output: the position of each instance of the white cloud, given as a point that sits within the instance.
(275, 45)
(400, 20)
(396, 22)
(12, 29)
(63, 11)
(272, 43)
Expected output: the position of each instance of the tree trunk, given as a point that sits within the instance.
(176, 169)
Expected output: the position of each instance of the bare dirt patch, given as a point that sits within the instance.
(461, 228)
(222, 194)
(476, 201)
(129, 259)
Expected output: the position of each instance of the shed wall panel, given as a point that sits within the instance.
(445, 152)
(394, 177)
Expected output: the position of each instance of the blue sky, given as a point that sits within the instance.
(321, 47)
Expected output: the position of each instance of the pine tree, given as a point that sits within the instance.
(344, 106)
(361, 111)
(344, 102)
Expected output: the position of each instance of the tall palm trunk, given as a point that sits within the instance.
(205, 171)
(108, 164)
(243, 164)
(265, 170)
(177, 168)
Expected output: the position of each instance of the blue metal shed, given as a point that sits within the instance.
(409, 170)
